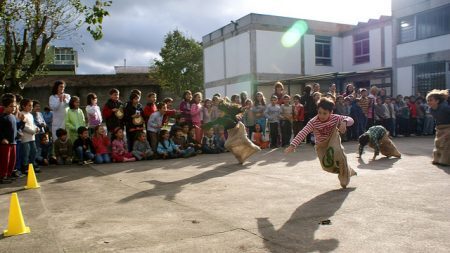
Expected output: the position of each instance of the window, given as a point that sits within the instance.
(64, 56)
(429, 76)
(425, 25)
(361, 48)
(323, 50)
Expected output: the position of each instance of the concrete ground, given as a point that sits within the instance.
(209, 203)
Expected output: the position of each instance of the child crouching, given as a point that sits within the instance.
(141, 147)
(328, 143)
(119, 148)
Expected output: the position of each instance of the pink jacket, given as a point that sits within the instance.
(196, 112)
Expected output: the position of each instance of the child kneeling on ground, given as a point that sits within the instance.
(378, 138)
(326, 127)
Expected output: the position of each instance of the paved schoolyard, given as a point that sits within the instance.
(209, 203)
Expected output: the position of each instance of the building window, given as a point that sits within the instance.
(323, 50)
(429, 76)
(425, 25)
(64, 56)
(361, 48)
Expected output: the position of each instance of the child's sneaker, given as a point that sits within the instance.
(88, 162)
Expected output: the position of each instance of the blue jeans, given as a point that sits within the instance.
(28, 154)
(83, 155)
(102, 158)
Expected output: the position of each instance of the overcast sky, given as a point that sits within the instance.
(135, 29)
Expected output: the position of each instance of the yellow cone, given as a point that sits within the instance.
(16, 225)
(31, 180)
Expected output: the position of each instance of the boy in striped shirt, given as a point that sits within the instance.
(323, 125)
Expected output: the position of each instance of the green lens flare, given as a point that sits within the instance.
(295, 32)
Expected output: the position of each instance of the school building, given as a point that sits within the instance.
(249, 54)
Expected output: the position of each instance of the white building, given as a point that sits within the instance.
(406, 54)
(249, 55)
(421, 45)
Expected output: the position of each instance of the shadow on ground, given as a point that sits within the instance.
(297, 234)
(171, 189)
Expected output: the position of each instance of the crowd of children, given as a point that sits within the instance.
(64, 133)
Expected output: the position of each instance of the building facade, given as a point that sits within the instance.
(421, 45)
(249, 55)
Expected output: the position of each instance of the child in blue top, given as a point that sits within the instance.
(166, 147)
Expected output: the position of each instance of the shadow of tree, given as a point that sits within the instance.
(171, 189)
(297, 234)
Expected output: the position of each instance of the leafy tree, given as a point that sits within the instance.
(28, 26)
(181, 64)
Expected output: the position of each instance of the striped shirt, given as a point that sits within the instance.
(322, 130)
(364, 104)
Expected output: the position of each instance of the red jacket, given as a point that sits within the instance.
(148, 110)
(299, 112)
(101, 144)
(412, 109)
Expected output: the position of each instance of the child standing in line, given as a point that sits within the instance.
(258, 138)
(185, 106)
(102, 145)
(119, 148)
(113, 111)
(151, 106)
(48, 117)
(196, 113)
(286, 121)
(93, 113)
(8, 132)
(74, 118)
(28, 137)
(83, 147)
(141, 148)
(249, 117)
(298, 115)
(134, 122)
(209, 143)
(258, 109)
(206, 112)
(63, 148)
(324, 127)
(440, 109)
(155, 124)
(166, 147)
(273, 114)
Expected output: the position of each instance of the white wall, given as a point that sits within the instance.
(435, 44)
(273, 57)
(388, 46)
(214, 62)
(237, 55)
(310, 56)
(209, 92)
(237, 88)
(405, 81)
(375, 52)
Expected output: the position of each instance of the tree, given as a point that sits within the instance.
(181, 64)
(28, 26)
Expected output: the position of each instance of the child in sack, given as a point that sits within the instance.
(324, 126)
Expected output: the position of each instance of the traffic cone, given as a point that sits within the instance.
(16, 225)
(31, 180)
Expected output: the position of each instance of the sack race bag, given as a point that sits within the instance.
(238, 143)
(333, 159)
(441, 151)
(387, 147)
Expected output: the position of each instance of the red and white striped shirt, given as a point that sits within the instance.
(322, 130)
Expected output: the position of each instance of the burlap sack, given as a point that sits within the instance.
(387, 147)
(333, 159)
(441, 151)
(238, 143)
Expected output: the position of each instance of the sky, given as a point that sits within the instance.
(135, 29)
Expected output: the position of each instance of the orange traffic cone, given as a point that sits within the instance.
(16, 225)
(31, 180)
